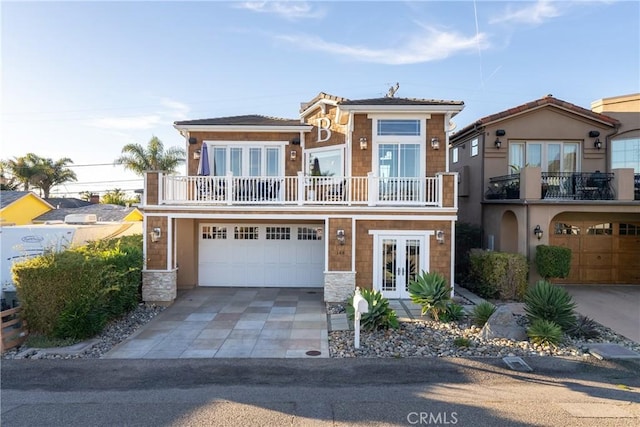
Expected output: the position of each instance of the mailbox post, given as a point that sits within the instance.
(360, 305)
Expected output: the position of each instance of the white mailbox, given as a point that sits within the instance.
(360, 305)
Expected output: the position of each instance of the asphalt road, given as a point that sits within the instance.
(319, 392)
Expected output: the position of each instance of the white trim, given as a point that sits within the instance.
(320, 103)
(399, 109)
(426, 233)
(307, 217)
(171, 242)
(243, 143)
(396, 116)
(244, 128)
(453, 259)
(353, 243)
(144, 239)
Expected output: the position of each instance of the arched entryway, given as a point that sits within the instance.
(509, 232)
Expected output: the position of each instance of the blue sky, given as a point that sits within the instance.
(82, 79)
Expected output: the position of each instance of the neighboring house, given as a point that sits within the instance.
(551, 172)
(353, 193)
(21, 207)
(102, 212)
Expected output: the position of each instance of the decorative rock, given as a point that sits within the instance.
(503, 324)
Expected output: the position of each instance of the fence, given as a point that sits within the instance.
(13, 329)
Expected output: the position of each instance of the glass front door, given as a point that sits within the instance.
(399, 260)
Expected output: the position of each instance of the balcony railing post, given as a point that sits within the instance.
(372, 185)
(228, 185)
(300, 188)
(161, 194)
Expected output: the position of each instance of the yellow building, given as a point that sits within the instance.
(21, 207)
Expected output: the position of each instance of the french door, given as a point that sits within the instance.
(398, 259)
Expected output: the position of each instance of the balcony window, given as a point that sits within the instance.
(245, 160)
(398, 127)
(625, 153)
(325, 162)
(548, 156)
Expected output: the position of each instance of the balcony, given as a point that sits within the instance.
(565, 186)
(299, 190)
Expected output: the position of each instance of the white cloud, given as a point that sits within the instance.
(431, 45)
(127, 123)
(178, 110)
(532, 13)
(288, 10)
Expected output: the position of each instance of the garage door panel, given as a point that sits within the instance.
(279, 260)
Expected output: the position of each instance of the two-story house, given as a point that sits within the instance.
(352, 193)
(551, 172)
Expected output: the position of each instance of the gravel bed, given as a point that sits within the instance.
(427, 338)
(114, 333)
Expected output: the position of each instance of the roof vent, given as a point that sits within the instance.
(80, 219)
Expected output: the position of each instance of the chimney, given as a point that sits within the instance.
(95, 199)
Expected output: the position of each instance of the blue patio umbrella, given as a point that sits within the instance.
(203, 165)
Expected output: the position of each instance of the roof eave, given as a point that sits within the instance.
(242, 128)
(402, 108)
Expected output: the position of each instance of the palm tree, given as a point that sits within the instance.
(50, 173)
(153, 158)
(23, 169)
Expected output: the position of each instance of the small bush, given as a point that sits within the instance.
(553, 261)
(545, 301)
(462, 342)
(498, 275)
(452, 312)
(431, 291)
(544, 332)
(380, 315)
(584, 327)
(482, 312)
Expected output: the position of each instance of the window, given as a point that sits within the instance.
(306, 233)
(474, 147)
(629, 229)
(600, 229)
(454, 155)
(325, 162)
(398, 127)
(245, 233)
(278, 233)
(249, 160)
(625, 153)
(211, 233)
(562, 228)
(549, 156)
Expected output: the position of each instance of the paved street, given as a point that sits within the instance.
(319, 392)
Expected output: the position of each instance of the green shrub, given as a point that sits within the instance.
(380, 315)
(553, 261)
(545, 301)
(498, 275)
(462, 342)
(431, 291)
(468, 236)
(584, 327)
(544, 332)
(73, 293)
(452, 312)
(482, 312)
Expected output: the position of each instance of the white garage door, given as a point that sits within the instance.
(260, 255)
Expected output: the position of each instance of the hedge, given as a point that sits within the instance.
(553, 261)
(498, 275)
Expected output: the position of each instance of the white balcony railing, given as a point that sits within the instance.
(299, 190)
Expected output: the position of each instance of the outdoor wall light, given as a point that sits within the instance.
(435, 143)
(340, 236)
(538, 232)
(196, 154)
(193, 140)
(595, 134)
(363, 143)
(293, 155)
(499, 132)
(498, 143)
(440, 236)
(155, 234)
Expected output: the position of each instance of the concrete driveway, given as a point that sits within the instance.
(614, 306)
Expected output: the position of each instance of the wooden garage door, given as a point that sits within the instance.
(260, 255)
(607, 253)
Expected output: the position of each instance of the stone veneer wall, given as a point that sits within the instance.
(339, 285)
(159, 287)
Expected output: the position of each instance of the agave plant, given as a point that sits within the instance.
(379, 316)
(585, 327)
(549, 302)
(431, 291)
(452, 312)
(482, 312)
(544, 332)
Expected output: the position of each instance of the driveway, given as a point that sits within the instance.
(614, 306)
(234, 322)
